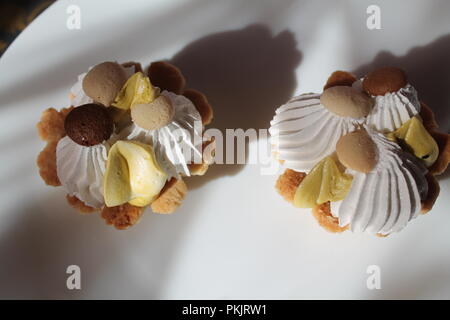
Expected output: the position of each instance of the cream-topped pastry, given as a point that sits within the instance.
(125, 144)
(362, 154)
(307, 128)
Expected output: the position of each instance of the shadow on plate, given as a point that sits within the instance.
(47, 236)
(245, 74)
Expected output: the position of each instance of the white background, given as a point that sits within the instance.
(234, 236)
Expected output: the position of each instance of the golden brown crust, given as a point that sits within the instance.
(170, 197)
(51, 125)
(122, 217)
(443, 142)
(166, 76)
(46, 162)
(201, 104)
(340, 78)
(50, 129)
(288, 182)
(428, 118)
(380, 235)
(323, 215)
(79, 205)
(137, 66)
(433, 193)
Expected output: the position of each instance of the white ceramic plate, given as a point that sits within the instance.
(234, 236)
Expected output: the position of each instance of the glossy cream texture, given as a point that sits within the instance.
(393, 109)
(81, 169)
(303, 131)
(177, 144)
(386, 199)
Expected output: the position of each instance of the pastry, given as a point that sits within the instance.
(127, 141)
(363, 154)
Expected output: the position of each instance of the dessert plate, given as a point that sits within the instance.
(233, 236)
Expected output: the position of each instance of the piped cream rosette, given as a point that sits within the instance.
(307, 128)
(388, 185)
(396, 100)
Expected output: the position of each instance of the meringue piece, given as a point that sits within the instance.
(346, 101)
(392, 110)
(81, 169)
(357, 151)
(178, 143)
(104, 81)
(303, 131)
(132, 175)
(77, 95)
(384, 80)
(417, 140)
(325, 182)
(89, 124)
(153, 115)
(136, 90)
(387, 198)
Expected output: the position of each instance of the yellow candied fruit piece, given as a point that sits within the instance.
(325, 182)
(138, 89)
(132, 175)
(415, 138)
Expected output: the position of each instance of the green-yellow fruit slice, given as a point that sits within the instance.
(116, 181)
(146, 178)
(136, 90)
(413, 135)
(325, 182)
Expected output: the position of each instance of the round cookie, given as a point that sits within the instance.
(103, 82)
(347, 102)
(357, 151)
(384, 80)
(89, 124)
(153, 115)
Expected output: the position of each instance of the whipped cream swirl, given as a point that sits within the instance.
(303, 131)
(177, 144)
(386, 199)
(393, 109)
(81, 169)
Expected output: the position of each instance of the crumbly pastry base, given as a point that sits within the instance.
(51, 129)
(288, 182)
